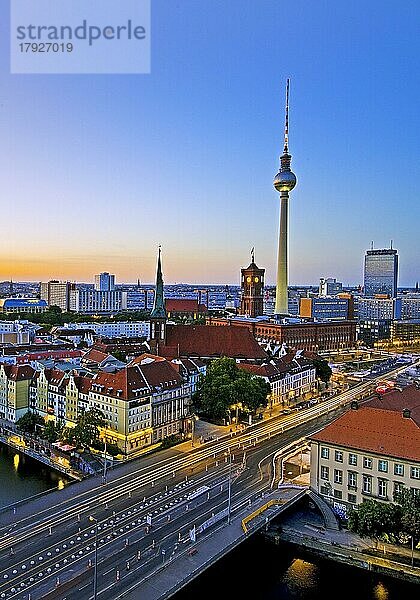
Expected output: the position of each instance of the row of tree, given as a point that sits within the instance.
(85, 434)
(395, 521)
(55, 316)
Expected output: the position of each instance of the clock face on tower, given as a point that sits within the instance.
(256, 279)
(248, 279)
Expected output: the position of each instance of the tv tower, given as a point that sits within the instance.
(284, 182)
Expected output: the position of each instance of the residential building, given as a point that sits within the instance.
(104, 282)
(17, 332)
(113, 328)
(329, 287)
(14, 391)
(291, 377)
(381, 273)
(372, 451)
(97, 302)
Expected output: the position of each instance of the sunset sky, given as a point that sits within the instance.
(97, 170)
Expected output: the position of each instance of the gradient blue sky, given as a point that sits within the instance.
(95, 171)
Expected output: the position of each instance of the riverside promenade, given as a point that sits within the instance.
(305, 529)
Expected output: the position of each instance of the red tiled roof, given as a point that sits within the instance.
(19, 372)
(95, 356)
(384, 432)
(210, 341)
(145, 357)
(181, 305)
(160, 374)
(136, 380)
(398, 400)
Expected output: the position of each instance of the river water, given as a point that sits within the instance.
(21, 477)
(257, 570)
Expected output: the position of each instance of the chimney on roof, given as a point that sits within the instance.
(406, 413)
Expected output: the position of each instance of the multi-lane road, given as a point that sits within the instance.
(142, 516)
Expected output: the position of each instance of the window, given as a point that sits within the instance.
(415, 472)
(338, 456)
(398, 469)
(353, 459)
(367, 484)
(325, 453)
(352, 480)
(382, 488)
(398, 487)
(338, 476)
(367, 462)
(325, 473)
(338, 494)
(325, 490)
(383, 466)
(352, 498)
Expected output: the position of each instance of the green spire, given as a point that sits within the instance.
(159, 311)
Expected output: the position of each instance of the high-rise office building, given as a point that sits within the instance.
(104, 282)
(381, 273)
(57, 293)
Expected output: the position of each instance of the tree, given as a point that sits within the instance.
(225, 385)
(52, 431)
(376, 519)
(409, 503)
(86, 431)
(27, 422)
(323, 370)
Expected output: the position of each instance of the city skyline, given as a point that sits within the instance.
(108, 167)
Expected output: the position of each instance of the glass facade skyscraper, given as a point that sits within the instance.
(381, 273)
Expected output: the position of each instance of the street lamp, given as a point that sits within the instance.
(95, 572)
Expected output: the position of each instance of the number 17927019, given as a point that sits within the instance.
(43, 47)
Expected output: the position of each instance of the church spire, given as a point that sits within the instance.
(159, 311)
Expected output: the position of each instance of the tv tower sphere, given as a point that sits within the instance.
(284, 181)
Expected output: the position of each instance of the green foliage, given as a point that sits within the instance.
(409, 504)
(52, 431)
(225, 385)
(27, 422)
(171, 440)
(398, 520)
(86, 432)
(323, 369)
(54, 316)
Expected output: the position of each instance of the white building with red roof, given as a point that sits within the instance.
(372, 451)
